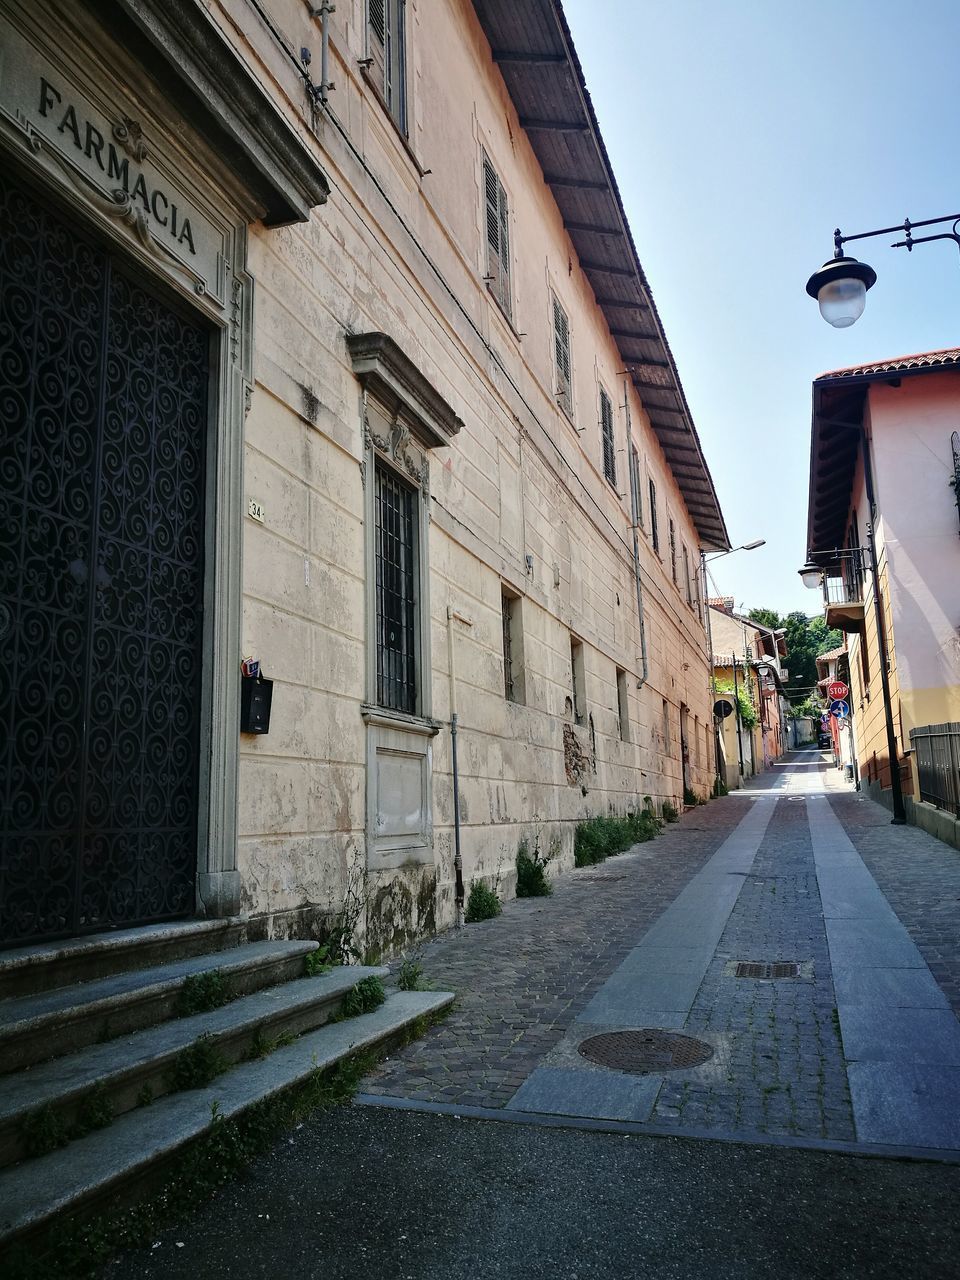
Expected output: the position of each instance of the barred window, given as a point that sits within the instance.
(686, 576)
(396, 562)
(606, 431)
(498, 237)
(510, 606)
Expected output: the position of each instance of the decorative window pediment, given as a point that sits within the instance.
(399, 386)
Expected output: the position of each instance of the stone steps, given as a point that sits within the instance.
(30, 970)
(124, 1071)
(34, 1028)
(112, 1164)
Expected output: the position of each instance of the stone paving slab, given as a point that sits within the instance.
(906, 1103)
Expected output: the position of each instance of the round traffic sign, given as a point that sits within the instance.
(840, 709)
(837, 690)
(722, 708)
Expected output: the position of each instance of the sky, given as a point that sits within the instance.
(741, 132)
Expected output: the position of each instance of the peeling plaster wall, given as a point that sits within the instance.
(518, 480)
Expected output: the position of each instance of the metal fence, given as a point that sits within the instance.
(842, 591)
(937, 748)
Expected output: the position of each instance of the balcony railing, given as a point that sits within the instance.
(841, 591)
(843, 603)
(937, 748)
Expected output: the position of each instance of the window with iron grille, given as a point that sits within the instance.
(623, 705)
(510, 607)
(654, 527)
(561, 346)
(498, 237)
(387, 55)
(578, 678)
(396, 562)
(606, 432)
(673, 551)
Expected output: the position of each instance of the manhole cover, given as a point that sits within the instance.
(755, 969)
(645, 1050)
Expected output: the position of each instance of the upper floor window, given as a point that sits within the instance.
(606, 432)
(635, 496)
(512, 619)
(498, 238)
(654, 527)
(673, 551)
(686, 576)
(561, 346)
(387, 53)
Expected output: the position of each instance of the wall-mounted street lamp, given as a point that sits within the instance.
(840, 285)
(746, 546)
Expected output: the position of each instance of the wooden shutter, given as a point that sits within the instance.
(654, 527)
(606, 429)
(498, 236)
(635, 487)
(561, 334)
(377, 42)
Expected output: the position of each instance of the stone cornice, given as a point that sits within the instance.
(218, 94)
(392, 377)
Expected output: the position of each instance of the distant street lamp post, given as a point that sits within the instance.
(840, 285)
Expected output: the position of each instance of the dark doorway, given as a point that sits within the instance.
(103, 419)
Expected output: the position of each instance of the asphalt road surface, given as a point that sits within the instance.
(372, 1193)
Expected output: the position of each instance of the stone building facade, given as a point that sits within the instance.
(371, 388)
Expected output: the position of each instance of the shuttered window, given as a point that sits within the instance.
(498, 237)
(654, 527)
(561, 344)
(635, 495)
(387, 55)
(606, 433)
(673, 551)
(686, 576)
(396, 564)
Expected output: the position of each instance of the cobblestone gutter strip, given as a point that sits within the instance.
(920, 878)
(522, 978)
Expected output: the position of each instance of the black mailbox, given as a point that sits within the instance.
(256, 695)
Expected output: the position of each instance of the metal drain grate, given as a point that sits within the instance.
(768, 972)
(645, 1050)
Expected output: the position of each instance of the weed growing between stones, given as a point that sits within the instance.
(46, 1129)
(262, 1045)
(366, 996)
(410, 975)
(600, 838)
(482, 904)
(319, 961)
(196, 1066)
(668, 812)
(202, 992)
(532, 879)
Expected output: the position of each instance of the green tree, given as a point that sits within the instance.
(806, 639)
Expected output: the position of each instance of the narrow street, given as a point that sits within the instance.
(852, 1049)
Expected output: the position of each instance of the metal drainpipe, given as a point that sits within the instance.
(452, 616)
(643, 630)
(736, 703)
(710, 669)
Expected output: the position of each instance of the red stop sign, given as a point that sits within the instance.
(837, 690)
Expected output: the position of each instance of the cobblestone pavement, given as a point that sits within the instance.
(522, 978)
(653, 939)
(920, 878)
(781, 1066)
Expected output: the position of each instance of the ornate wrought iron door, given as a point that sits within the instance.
(103, 392)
